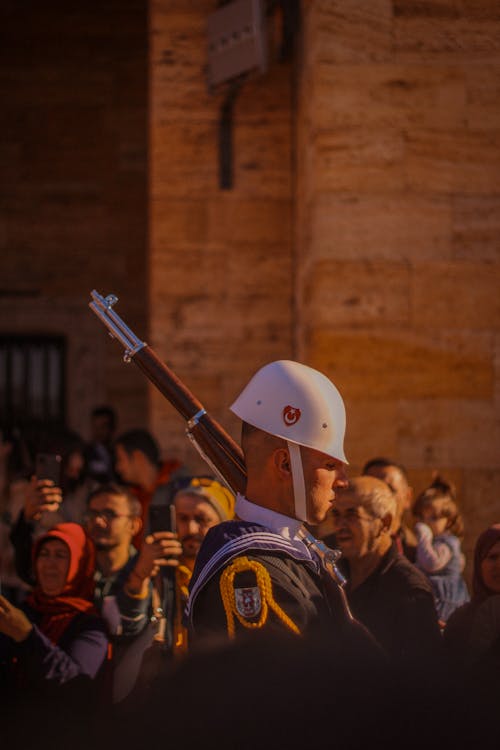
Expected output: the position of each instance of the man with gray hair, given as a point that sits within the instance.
(385, 591)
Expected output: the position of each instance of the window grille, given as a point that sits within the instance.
(32, 381)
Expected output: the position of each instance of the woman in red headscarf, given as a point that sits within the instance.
(472, 633)
(57, 635)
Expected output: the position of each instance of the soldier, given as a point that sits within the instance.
(256, 572)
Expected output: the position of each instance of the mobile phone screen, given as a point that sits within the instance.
(161, 518)
(48, 466)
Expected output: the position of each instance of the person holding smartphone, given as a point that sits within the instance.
(202, 504)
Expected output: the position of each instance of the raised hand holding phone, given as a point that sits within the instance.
(160, 549)
(48, 466)
(41, 495)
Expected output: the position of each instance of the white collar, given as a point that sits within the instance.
(278, 523)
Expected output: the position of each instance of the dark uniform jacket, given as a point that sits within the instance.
(297, 586)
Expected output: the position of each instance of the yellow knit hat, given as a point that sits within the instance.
(215, 493)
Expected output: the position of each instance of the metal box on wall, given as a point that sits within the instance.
(236, 40)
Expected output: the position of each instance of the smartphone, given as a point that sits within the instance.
(48, 466)
(162, 518)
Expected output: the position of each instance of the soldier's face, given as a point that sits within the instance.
(322, 476)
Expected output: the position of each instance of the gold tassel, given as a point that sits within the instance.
(264, 583)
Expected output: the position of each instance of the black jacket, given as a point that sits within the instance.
(396, 604)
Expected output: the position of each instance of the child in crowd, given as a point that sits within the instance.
(439, 529)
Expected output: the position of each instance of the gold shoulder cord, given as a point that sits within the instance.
(239, 565)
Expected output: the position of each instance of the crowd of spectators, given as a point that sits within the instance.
(93, 591)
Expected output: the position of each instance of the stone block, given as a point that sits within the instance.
(227, 220)
(385, 96)
(458, 161)
(177, 222)
(403, 364)
(476, 228)
(233, 220)
(483, 95)
(358, 160)
(392, 227)
(356, 32)
(461, 295)
(445, 40)
(444, 432)
(346, 294)
(185, 158)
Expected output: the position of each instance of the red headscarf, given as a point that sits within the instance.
(58, 611)
(483, 545)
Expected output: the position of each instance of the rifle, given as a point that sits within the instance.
(212, 442)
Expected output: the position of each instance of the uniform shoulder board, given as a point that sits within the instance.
(250, 605)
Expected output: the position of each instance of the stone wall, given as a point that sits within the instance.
(73, 208)
(221, 266)
(398, 272)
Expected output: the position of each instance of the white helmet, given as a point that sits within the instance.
(297, 403)
(301, 405)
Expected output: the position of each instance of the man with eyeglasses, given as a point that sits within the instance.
(112, 520)
(385, 591)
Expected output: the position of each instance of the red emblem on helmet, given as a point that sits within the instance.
(291, 415)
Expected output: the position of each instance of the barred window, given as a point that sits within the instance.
(32, 380)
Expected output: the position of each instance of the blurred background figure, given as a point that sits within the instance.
(396, 478)
(439, 530)
(15, 467)
(99, 451)
(153, 481)
(472, 633)
(74, 483)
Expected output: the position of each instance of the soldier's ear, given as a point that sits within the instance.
(282, 461)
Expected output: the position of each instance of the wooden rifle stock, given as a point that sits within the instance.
(213, 443)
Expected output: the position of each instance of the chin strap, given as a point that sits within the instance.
(299, 487)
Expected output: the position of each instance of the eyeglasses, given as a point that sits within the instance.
(352, 515)
(105, 515)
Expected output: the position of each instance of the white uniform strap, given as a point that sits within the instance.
(299, 488)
